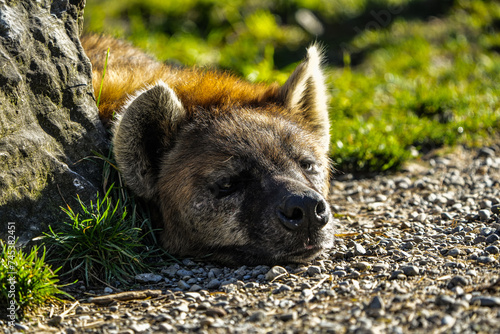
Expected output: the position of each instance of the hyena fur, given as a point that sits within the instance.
(236, 171)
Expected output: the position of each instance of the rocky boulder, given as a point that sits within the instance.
(49, 122)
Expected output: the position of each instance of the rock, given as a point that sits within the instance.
(313, 270)
(275, 272)
(182, 307)
(486, 152)
(359, 249)
(380, 266)
(288, 316)
(148, 278)
(376, 304)
(454, 252)
(495, 209)
(485, 259)
(140, 328)
(444, 300)
(410, 270)
(215, 312)
(70, 330)
(21, 327)
(448, 320)
(55, 320)
(195, 288)
(485, 301)
(171, 270)
(484, 214)
(492, 249)
(82, 309)
(446, 216)
(184, 273)
(166, 327)
(486, 231)
(183, 285)
(49, 119)
(492, 238)
(458, 281)
(362, 265)
(257, 316)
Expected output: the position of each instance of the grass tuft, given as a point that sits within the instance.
(26, 281)
(100, 242)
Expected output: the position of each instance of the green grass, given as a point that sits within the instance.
(26, 281)
(422, 85)
(425, 77)
(100, 242)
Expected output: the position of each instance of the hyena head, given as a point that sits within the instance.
(244, 184)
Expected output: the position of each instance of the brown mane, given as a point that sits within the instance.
(129, 70)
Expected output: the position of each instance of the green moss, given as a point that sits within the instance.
(424, 77)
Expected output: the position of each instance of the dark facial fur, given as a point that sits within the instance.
(236, 171)
(233, 185)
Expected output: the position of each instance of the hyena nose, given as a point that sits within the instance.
(308, 210)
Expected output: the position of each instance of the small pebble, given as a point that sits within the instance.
(492, 238)
(484, 215)
(313, 270)
(495, 209)
(485, 301)
(257, 316)
(148, 278)
(410, 270)
(458, 281)
(361, 266)
(288, 316)
(166, 327)
(359, 249)
(454, 252)
(448, 320)
(446, 216)
(21, 327)
(275, 272)
(183, 285)
(141, 327)
(215, 312)
(485, 259)
(492, 250)
(213, 284)
(55, 320)
(376, 303)
(378, 267)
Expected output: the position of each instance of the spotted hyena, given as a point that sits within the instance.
(235, 170)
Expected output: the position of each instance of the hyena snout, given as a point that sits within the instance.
(303, 211)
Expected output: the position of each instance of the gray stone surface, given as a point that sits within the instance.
(48, 118)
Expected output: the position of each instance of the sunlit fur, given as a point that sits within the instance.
(178, 131)
(129, 70)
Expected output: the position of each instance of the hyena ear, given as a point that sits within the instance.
(143, 133)
(305, 95)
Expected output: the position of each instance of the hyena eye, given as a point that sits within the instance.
(308, 166)
(224, 187)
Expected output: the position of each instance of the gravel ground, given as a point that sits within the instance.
(416, 252)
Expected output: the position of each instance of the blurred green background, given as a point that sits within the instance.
(405, 76)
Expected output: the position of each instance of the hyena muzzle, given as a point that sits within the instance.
(237, 172)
